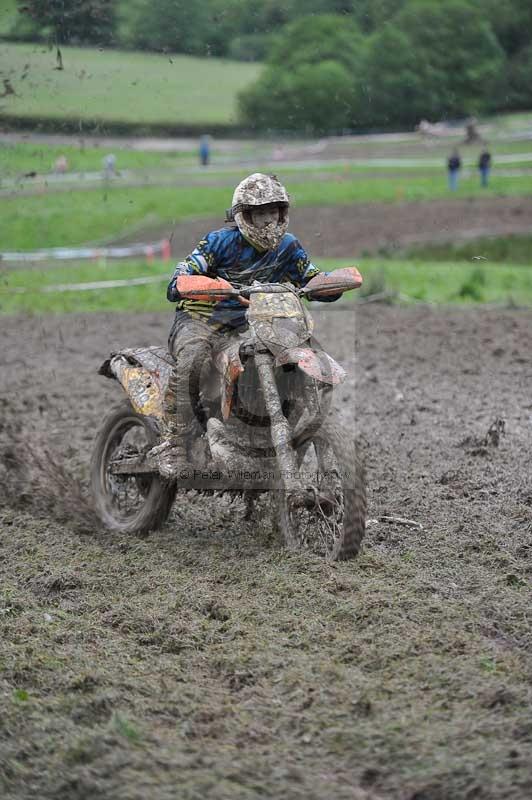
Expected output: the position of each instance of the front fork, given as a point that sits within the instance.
(281, 431)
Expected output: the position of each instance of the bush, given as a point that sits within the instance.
(436, 61)
(251, 47)
(517, 87)
(312, 40)
(471, 288)
(309, 83)
(26, 29)
(392, 92)
(315, 98)
(175, 26)
(67, 22)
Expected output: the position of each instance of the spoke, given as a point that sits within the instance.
(124, 490)
(320, 527)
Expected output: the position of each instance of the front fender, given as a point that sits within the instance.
(227, 362)
(317, 364)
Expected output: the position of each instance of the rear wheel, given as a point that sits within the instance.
(333, 521)
(128, 503)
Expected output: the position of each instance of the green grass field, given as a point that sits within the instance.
(415, 147)
(502, 249)
(37, 216)
(23, 157)
(97, 85)
(462, 283)
(8, 14)
(18, 159)
(75, 217)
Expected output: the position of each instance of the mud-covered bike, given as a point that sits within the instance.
(263, 424)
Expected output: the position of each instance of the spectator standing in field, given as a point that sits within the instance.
(109, 165)
(484, 166)
(61, 165)
(205, 150)
(453, 168)
(471, 129)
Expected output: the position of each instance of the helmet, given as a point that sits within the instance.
(260, 190)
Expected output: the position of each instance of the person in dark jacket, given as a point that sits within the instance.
(454, 165)
(205, 150)
(484, 167)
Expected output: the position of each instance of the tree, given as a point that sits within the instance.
(177, 26)
(73, 21)
(312, 40)
(391, 91)
(511, 21)
(243, 29)
(314, 98)
(371, 15)
(517, 88)
(309, 83)
(436, 61)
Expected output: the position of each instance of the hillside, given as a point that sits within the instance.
(121, 89)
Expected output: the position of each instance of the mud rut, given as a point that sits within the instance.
(424, 387)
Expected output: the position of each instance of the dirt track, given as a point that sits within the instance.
(350, 231)
(204, 661)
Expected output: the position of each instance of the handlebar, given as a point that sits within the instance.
(198, 287)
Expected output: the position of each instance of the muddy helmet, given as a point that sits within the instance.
(260, 190)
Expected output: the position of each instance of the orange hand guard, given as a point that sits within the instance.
(341, 280)
(200, 287)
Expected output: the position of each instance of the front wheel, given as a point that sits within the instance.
(128, 503)
(332, 522)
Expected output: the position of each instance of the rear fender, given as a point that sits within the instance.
(317, 364)
(143, 374)
(140, 386)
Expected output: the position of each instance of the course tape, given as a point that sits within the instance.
(83, 287)
(73, 253)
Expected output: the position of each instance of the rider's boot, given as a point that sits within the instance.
(170, 455)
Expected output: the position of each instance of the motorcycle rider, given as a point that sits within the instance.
(253, 246)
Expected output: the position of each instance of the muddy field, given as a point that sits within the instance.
(355, 230)
(205, 661)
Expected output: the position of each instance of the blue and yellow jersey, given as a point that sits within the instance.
(227, 254)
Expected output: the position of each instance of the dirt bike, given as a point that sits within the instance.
(262, 424)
